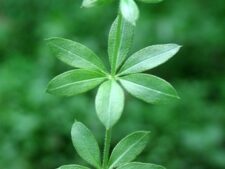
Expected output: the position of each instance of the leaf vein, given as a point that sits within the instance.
(77, 82)
(156, 91)
(69, 52)
(144, 61)
(118, 159)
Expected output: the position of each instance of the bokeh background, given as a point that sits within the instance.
(35, 126)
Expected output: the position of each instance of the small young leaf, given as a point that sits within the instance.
(138, 165)
(72, 166)
(128, 148)
(89, 3)
(120, 40)
(129, 10)
(75, 82)
(109, 103)
(85, 144)
(149, 58)
(151, 1)
(148, 88)
(75, 54)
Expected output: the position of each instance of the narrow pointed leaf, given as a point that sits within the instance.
(129, 10)
(75, 54)
(109, 103)
(120, 40)
(149, 88)
(75, 82)
(128, 148)
(151, 1)
(72, 166)
(85, 144)
(149, 58)
(138, 165)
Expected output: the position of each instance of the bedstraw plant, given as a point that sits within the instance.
(125, 73)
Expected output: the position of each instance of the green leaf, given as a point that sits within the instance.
(149, 88)
(89, 3)
(128, 148)
(75, 82)
(72, 166)
(85, 144)
(75, 54)
(151, 1)
(92, 3)
(120, 41)
(138, 165)
(129, 10)
(109, 103)
(149, 58)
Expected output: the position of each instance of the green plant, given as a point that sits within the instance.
(109, 100)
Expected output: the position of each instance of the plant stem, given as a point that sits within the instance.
(106, 148)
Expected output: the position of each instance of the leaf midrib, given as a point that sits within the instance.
(156, 91)
(118, 44)
(118, 159)
(109, 106)
(141, 62)
(77, 82)
(91, 155)
(94, 65)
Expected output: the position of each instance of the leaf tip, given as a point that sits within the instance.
(178, 97)
(133, 23)
(160, 1)
(49, 39)
(75, 121)
(89, 3)
(47, 90)
(147, 133)
(144, 132)
(178, 46)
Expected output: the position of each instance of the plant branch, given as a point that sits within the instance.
(106, 148)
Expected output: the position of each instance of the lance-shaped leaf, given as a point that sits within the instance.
(149, 58)
(128, 148)
(109, 103)
(129, 10)
(74, 82)
(75, 54)
(149, 88)
(85, 144)
(120, 41)
(151, 1)
(72, 166)
(138, 165)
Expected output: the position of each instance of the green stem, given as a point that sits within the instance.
(106, 148)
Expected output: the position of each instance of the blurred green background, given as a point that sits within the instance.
(35, 126)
